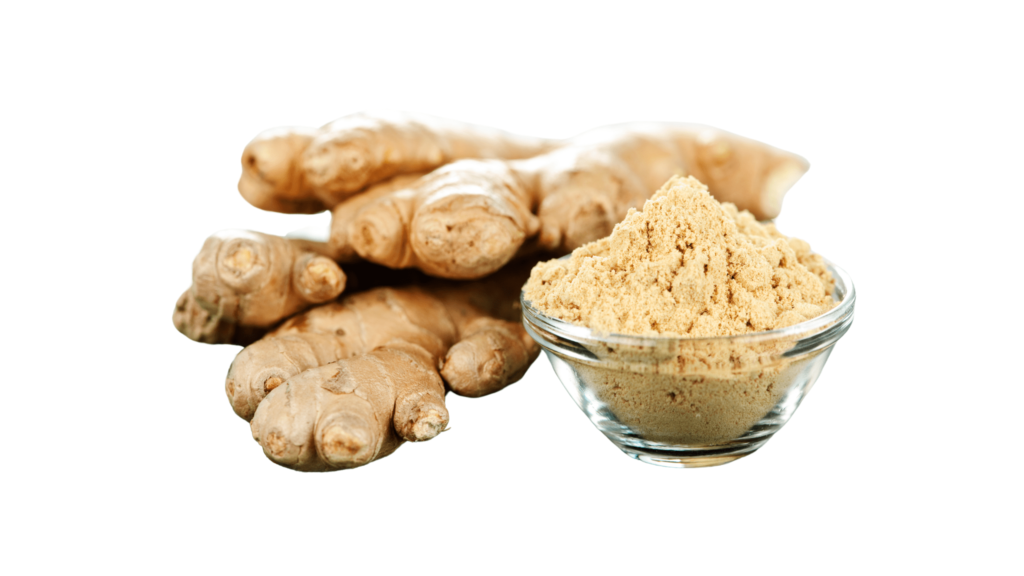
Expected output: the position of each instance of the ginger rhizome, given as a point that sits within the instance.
(253, 280)
(305, 170)
(470, 217)
(467, 218)
(346, 383)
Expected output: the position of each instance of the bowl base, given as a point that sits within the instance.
(694, 457)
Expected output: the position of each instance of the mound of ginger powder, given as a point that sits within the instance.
(688, 267)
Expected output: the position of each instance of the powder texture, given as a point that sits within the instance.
(685, 266)
(697, 408)
(690, 268)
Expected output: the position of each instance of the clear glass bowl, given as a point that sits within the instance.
(692, 402)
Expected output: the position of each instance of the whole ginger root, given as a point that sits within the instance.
(346, 383)
(468, 218)
(487, 196)
(304, 170)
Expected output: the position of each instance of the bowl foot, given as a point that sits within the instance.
(696, 457)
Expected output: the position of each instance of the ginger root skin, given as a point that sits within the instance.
(253, 280)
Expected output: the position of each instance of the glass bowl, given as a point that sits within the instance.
(692, 402)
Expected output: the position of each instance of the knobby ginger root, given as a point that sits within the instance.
(345, 383)
(349, 413)
(463, 221)
(304, 170)
(253, 280)
(470, 217)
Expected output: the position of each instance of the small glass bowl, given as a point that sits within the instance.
(692, 402)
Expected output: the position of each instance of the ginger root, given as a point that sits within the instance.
(303, 170)
(478, 208)
(346, 383)
(253, 280)
(470, 217)
(487, 195)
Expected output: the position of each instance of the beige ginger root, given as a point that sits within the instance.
(305, 170)
(463, 221)
(470, 217)
(253, 280)
(345, 383)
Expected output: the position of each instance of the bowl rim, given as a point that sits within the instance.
(835, 319)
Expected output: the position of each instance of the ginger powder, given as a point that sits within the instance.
(688, 267)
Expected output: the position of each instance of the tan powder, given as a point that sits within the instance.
(689, 267)
(685, 266)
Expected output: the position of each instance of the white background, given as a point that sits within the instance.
(122, 128)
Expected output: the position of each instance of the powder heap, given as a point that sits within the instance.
(689, 267)
(685, 266)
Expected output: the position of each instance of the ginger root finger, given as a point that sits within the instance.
(338, 330)
(272, 176)
(269, 362)
(349, 413)
(358, 150)
(254, 280)
(379, 231)
(322, 419)
(491, 355)
(472, 219)
(588, 185)
(752, 175)
(345, 213)
(494, 349)
(420, 412)
(303, 170)
(200, 324)
(282, 423)
(585, 191)
(317, 278)
(462, 221)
